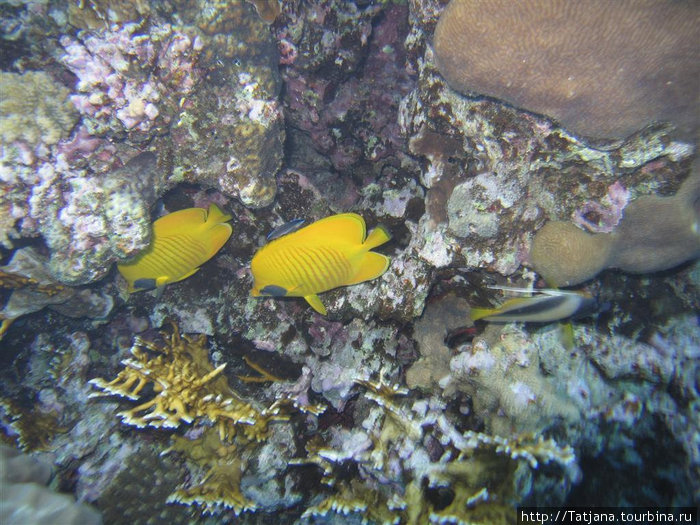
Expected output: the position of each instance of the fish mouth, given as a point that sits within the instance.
(255, 292)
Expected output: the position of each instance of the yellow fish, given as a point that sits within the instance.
(327, 254)
(182, 242)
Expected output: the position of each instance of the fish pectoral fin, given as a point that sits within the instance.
(218, 235)
(316, 303)
(567, 335)
(372, 266)
(377, 237)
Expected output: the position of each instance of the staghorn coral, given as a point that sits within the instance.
(34, 109)
(187, 389)
(602, 69)
(655, 233)
(478, 470)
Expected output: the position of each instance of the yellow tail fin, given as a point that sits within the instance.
(480, 313)
(377, 237)
(372, 266)
(216, 216)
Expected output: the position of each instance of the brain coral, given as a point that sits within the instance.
(565, 255)
(655, 233)
(34, 108)
(602, 69)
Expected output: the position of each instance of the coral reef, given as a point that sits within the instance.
(34, 109)
(493, 174)
(655, 233)
(601, 70)
(280, 414)
(187, 389)
(148, 91)
(393, 450)
(33, 288)
(127, 80)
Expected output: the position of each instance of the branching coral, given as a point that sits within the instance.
(187, 389)
(478, 470)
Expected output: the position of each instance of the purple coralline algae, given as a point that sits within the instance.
(131, 81)
(149, 90)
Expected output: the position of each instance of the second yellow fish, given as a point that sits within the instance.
(182, 242)
(329, 253)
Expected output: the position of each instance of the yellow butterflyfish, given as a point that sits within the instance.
(329, 253)
(182, 241)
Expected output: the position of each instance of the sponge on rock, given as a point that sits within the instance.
(604, 69)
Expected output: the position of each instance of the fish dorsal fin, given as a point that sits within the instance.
(175, 221)
(315, 303)
(372, 266)
(285, 229)
(345, 227)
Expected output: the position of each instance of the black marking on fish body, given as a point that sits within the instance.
(533, 308)
(286, 228)
(274, 291)
(588, 307)
(144, 284)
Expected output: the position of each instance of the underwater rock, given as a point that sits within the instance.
(493, 174)
(24, 498)
(200, 94)
(34, 110)
(38, 289)
(603, 70)
(344, 76)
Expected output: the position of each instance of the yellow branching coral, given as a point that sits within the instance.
(185, 384)
(187, 389)
(477, 469)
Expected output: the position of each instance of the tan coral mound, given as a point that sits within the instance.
(655, 233)
(566, 255)
(602, 68)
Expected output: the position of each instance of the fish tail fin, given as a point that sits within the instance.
(372, 266)
(376, 237)
(216, 216)
(479, 313)
(316, 303)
